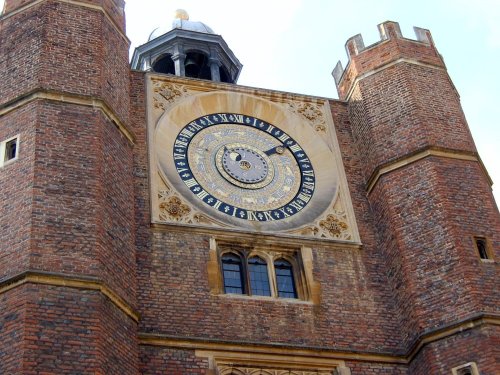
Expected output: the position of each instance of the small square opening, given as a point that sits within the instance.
(466, 369)
(11, 149)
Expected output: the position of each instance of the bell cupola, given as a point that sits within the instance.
(188, 49)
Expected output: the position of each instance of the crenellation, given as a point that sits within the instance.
(355, 45)
(337, 72)
(390, 33)
(389, 30)
(423, 35)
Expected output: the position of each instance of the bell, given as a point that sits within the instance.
(190, 61)
(191, 67)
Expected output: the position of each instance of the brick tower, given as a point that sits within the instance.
(431, 196)
(67, 233)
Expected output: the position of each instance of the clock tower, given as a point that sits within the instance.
(157, 217)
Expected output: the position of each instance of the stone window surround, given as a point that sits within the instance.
(299, 257)
(469, 366)
(3, 161)
(489, 249)
(269, 257)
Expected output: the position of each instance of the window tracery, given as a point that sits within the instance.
(259, 273)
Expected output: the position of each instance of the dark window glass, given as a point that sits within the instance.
(465, 371)
(259, 278)
(232, 270)
(284, 279)
(10, 150)
(481, 248)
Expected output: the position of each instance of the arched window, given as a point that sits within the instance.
(259, 278)
(285, 283)
(232, 271)
(244, 272)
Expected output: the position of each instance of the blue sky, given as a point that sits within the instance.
(293, 45)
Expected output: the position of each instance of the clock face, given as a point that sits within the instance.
(244, 167)
(245, 162)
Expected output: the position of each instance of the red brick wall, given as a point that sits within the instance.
(68, 48)
(166, 361)
(12, 330)
(406, 108)
(113, 8)
(71, 188)
(76, 331)
(479, 345)
(82, 211)
(426, 212)
(385, 52)
(21, 41)
(16, 192)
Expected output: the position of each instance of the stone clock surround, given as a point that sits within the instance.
(172, 104)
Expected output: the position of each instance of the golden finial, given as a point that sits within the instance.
(181, 14)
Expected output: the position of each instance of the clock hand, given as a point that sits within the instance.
(275, 150)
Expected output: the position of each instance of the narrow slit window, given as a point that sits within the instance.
(232, 270)
(285, 282)
(259, 278)
(482, 247)
(10, 150)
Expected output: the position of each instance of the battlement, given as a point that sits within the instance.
(389, 32)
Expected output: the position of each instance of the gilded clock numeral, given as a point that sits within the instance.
(270, 129)
(186, 133)
(207, 119)
(238, 118)
(217, 204)
(309, 173)
(295, 148)
(194, 127)
(268, 216)
(308, 185)
(191, 182)
(181, 144)
(298, 205)
(202, 194)
(251, 215)
(283, 211)
(304, 197)
(284, 137)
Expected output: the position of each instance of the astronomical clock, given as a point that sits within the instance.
(230, 157)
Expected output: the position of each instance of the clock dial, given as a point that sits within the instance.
(244, 167)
